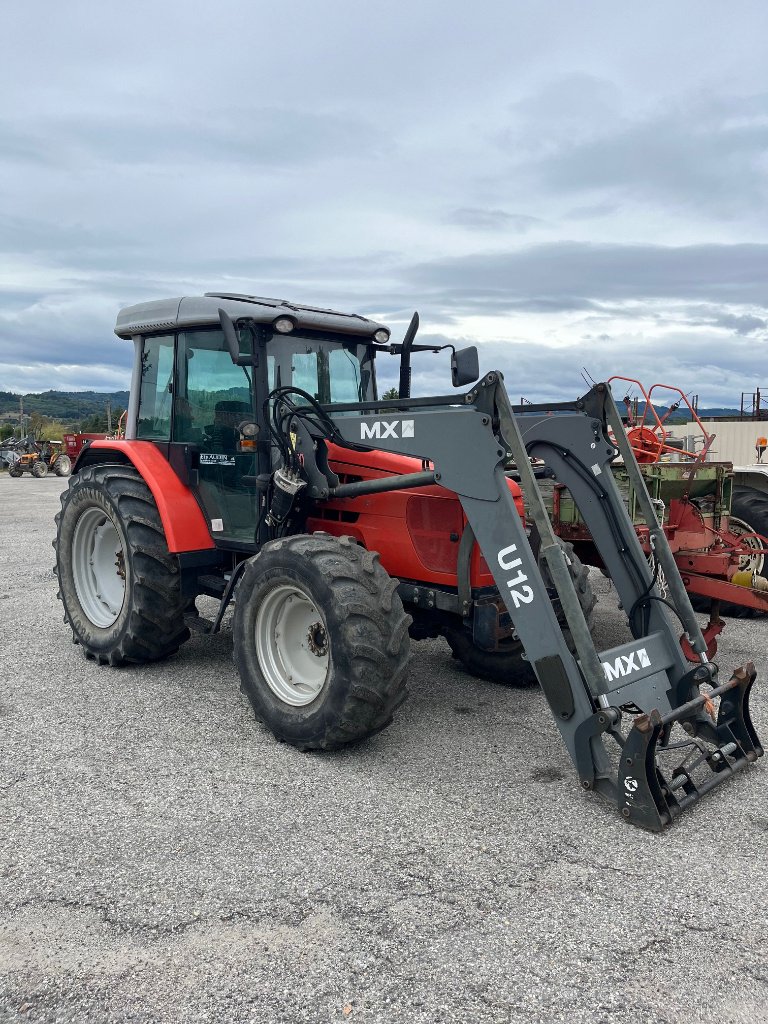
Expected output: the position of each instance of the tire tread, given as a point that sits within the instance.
(373, 636)
(155, 627)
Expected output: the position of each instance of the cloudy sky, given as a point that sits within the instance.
(568, 184)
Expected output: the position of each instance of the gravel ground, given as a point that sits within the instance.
(162, 858)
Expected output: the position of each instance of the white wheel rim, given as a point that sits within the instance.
(98, 567)
(292, 645)
(748, 563)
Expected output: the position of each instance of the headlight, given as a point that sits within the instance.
(248, 429)
(284, 325)
(382, 336)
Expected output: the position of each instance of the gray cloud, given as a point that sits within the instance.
(545, 374)
(704, 151)
(745, 324)
(573, 273)
(491, 220)
(254, 136)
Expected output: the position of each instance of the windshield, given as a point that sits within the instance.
(331, 371)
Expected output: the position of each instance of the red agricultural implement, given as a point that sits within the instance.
(717, 530)
(76, 442)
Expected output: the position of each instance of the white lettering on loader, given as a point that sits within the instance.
(626, 664)
(523, 595)
(383, 428)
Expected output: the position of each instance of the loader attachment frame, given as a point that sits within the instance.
(472, 441)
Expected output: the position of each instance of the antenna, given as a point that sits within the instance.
(586, 376)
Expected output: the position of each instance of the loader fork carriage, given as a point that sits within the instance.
(649, 770)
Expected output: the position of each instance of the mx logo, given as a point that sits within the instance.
(382, 429)
(626, 664)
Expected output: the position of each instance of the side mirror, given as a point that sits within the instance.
(465, 366)
(233, 342)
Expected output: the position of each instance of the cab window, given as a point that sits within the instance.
(155, 397)
(213, 395)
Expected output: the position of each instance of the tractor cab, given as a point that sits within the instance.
(207, 413)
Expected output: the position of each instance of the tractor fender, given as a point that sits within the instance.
(185, 526)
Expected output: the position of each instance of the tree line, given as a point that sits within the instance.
(48, 428)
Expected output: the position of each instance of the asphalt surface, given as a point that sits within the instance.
(162, 858)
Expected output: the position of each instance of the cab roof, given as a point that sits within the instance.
(203, 311)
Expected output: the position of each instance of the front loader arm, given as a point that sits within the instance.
(469, 441)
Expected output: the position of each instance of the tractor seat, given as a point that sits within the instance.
(227, 416)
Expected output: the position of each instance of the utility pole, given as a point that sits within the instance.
(109, 417)
(21, 416)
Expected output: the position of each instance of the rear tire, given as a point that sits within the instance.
(749, 511)
(750, 508)
(62, 466)
(119, 584)
(320, 641)
(508, 665)
(39, 468)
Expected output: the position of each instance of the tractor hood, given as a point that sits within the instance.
(346, 460)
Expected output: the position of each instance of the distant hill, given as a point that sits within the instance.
(719, 413)
(74, 406)
(64, 405)
(682, 415)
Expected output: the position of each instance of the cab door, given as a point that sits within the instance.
(213, 398)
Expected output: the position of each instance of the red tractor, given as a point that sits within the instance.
(259, 466)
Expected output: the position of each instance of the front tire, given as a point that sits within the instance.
(62, 466)
(15, 470)
(321, 641)
(39, 468)
(508, 665)
(119, 584)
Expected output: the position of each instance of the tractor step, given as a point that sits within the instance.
(197, 624)
(221, 587)
(213, 586)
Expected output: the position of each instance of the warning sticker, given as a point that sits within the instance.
(216, 459)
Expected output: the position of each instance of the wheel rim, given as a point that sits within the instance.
(98, 567)
(748, 563)
(292, 645)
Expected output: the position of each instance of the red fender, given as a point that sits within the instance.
(186, 528)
